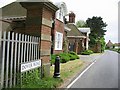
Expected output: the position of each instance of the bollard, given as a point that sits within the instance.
(57, 68)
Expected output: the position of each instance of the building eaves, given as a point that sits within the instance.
(76, 37)
(10, 19)
(74, 30)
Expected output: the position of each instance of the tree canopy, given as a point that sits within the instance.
(81, 23)
(97, 27)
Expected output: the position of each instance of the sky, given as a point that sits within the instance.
(107, 9)
(84, 9)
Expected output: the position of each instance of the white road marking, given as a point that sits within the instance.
(80, 74)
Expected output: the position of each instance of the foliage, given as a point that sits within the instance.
(32, 80)
(102, 41)
(65, 46)
(53, 57)
(115, 49)
(87, 52)
(81, 23)
(97, 26)
(33, 76)
(64, 57)
(73, 55)
(113, 46)
(118, 50)
(68, 70)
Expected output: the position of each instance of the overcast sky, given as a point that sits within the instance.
(107, 9)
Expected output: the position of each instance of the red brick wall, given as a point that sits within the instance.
(59, 27)
(46, 45)
(46, 30)
(45, 59)
(35, 27)
(78, 44)
(47, 14)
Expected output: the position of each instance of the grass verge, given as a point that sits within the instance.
(67, 70)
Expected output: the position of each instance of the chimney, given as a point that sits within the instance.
(71, 17)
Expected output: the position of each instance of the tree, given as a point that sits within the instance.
(81, 23)
(97, 27)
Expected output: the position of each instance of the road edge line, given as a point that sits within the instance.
(80, 74)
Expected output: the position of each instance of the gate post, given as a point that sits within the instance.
(39, 23)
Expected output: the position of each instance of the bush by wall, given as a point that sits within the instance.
(87, 52)
(73, 55)
(53, 56)
(64, 57)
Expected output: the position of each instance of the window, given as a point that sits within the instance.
(59, 14)
(58, 41)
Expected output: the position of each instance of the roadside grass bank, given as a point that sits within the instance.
(67, 70)
(115, 49)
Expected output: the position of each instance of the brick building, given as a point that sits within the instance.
(76, 38)
(59, 37)
(32, 18)
(45, 20)
(109, 44)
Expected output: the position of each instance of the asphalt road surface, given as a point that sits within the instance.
(102, 74)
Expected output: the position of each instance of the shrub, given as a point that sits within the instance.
(73, 56)
(53, 56)
(64, 57)
(119, 50)
(87, 52)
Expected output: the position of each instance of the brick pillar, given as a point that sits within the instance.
(39, 23)
(76, 47)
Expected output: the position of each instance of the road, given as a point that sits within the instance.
(102, 74)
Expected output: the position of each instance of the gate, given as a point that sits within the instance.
(16, 49)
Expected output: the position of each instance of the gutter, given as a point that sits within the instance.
(76, 36)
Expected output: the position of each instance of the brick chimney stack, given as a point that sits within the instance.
(71, 17)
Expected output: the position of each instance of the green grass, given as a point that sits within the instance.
(49, 82)
(67, 71)
(115, 49)
(87, 52)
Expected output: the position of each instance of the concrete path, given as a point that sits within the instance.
(90, 58)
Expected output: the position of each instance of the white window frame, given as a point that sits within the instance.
(58, 41)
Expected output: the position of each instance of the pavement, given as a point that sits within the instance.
(88, 59)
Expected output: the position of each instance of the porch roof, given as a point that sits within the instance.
(74, 32)
(76, 37)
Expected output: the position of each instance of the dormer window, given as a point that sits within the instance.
(61, 12)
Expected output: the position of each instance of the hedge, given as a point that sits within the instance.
(64, 57)
(87, 52)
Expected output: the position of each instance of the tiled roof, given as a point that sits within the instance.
(15, 18)
(109, 43)
(74, 31)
